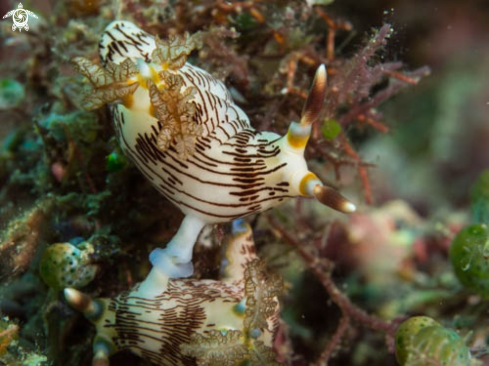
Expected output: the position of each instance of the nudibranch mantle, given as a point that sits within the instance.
(182, 129)
(229, 321)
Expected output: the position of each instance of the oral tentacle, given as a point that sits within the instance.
(332, 198)
(92, 309)
(311, 186)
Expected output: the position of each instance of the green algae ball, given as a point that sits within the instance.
(438, 346)
(406, 332)
(66, 265)
(421, 341)
(331, 128)
(469, 254)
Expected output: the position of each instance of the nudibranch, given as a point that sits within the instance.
(181, 128)
(231, 321)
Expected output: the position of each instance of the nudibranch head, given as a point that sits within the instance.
(228, 321)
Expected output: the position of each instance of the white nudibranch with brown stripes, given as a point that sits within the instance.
(232, 321)
(181, 128)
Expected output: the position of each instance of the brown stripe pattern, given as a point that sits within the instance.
(156, 328)
(235, 170)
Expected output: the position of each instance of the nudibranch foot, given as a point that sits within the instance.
(154, 283)
(166, 262)
(182, 322)
(175, 261)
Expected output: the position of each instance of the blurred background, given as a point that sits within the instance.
(391, 259)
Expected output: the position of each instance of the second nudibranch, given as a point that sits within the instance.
(182, 129)
(181, 322)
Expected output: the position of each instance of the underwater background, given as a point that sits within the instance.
(403, 133)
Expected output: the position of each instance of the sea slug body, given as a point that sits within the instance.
(216, 322)
(181, 128)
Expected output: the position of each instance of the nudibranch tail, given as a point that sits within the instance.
(122, 40)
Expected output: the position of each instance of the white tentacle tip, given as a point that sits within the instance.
(349, 207)
(321, 72)
(72, 296)
(332, 198)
